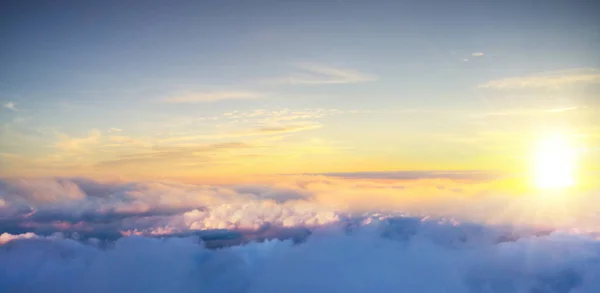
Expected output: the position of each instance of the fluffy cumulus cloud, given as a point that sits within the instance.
(298, 234)
(108, 210)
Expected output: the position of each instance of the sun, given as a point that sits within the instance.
(555, 163)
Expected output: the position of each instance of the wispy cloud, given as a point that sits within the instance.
(280, 115)
(284, 129)
(205, 97)
(112, 129)
(558, 110)
(419, 175)
(263, 131)
(175, 155)
(315, 74)
(550, 80)
(477, 54)
(11, 106)
(78, 144)
(523, 112)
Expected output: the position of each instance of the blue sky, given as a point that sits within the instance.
(390, 76)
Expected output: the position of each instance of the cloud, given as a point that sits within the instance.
(376, 254)
(524, 112)
(550, 80)
(477, 54)
(315, 74)
(262, 131)
(213, 97)
(69, 144)
(286, 129)
(436, 234)
(418, 175)
(89, 207)
(6, 237)
(559, 110)
(99, 149)
(279, 195)
(11, 106)
(278, 115)
(200, 153)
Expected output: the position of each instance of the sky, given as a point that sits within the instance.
(251, 146)
(213, 91)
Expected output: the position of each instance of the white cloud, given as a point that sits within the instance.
(558, 110)
(205, 97)
(477, 54)
(315, 74)
(550, 80)
(6, 237)
(112, 129)
(11, 106)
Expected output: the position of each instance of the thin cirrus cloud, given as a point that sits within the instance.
(309, 74)
(315, 74)
(176, 155)
(286, 129)
(264, 131)
(419, 175)
(524, 112)
(207, 97)
(549, 80)
(78, 144)
(559, 110)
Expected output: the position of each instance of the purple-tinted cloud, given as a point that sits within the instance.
(376, 254)
(416, 175)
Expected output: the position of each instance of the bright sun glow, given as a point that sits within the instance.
(555, 163)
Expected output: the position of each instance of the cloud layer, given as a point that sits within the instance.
(297, 234)
(379, 256)
(110, 209)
